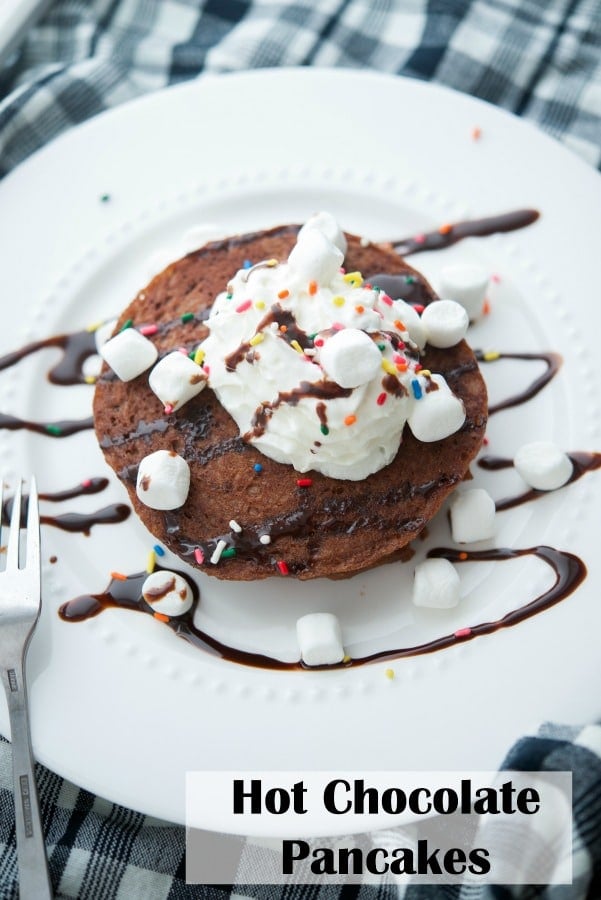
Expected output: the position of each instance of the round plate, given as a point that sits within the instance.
(119, 704)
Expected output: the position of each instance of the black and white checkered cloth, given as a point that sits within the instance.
(541, 60)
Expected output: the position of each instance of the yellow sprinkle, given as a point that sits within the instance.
(272, 262)
(151, 562)
(426, 373)
(354, 278)
(491, 356)
(338, 300)
(296, 346)
(94, 327)
(257, 339)
(388, 367)
(260, 304)
(199, 356)
(89, 379)
(389, 673)
(346, 658)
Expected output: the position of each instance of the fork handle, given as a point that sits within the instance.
(34, 880)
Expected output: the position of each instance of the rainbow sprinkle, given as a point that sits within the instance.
(158, 550)
(127, 324)
(151, 562)
(258, 468)
(199, 556)
(257, 339)
(244, 306)
(416, 388)
(187, 317)
(304, 482)
(147, 330)
(218, 551)
(283, 567)
(463, 632)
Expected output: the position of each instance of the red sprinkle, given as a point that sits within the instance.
(381, 399)
(463, 632)
(199, 556)
(485, 441)
(149, 329)
(318, 342)
(283, 567)
(420, 238)
(244, 306)
(86, 483)
(304, 482)
(385, 299)
(419, 308)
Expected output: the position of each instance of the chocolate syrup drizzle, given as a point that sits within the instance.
(553, 363)
(582, 463)
(451, 234)
(73, 521)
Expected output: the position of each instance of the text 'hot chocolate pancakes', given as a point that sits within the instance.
(307, 525)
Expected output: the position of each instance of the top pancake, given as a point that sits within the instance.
(334, 528)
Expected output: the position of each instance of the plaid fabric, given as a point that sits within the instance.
(100, 851)
(539, 60)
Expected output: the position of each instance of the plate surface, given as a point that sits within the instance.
(119, 704)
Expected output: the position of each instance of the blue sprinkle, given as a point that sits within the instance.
(258, 467)
(158, 550)
(247, 264)
(417, 389)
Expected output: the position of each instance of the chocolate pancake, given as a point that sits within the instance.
(328, 528)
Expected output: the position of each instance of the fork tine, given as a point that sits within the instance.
(12, 551)
(33, 531)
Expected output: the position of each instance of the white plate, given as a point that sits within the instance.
(119, 704)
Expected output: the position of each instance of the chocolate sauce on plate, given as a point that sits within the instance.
(447, 235)
(582, 463)
(553, 362)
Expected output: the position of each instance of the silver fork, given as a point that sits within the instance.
(20, 602)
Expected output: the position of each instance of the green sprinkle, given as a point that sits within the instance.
(382, 347)
(127, 325)
(324, 429)
(187, 317)
(227, 554)
(375, 287)
(104, 198)
(54, 429)
(228, 296)
(410, 279)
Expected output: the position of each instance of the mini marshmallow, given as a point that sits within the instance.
(168, 593)
(315, 257)
(472, 516)
(350, 358)
(129, 354)
(327, 224)
(176, 379)
(446, 323)
(163, 480)
(436, 584)
(320, 639)
(437, 414)
(543, 465)
(466, 283)
(104, 332)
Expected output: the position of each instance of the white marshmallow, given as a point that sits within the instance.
(466, 283)
(104, 332)
(472, 516)
(168, 593)
(408, 316)
(350, 358)
(543, 465)
(327, 224)
(315, 257)
(129, 354)
(92, 366)
(436, 584)
(320, 639)
(437, 414)
(446, 323)
(163, 480)
(176, 379)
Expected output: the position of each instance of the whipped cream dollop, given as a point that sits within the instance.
(318, 369)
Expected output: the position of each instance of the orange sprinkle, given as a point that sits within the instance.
(350, 420)
(359, 309)
(463, 555)
(118, 576)
(402, 367)
(283, 329)
(312, 287)
(486, 308)
(445, 229)
(400, 325)
(161, 617)
(476, 133)
(283, 294)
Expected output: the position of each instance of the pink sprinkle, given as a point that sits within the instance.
(397, 358)
(419, 308)
(463, 632)
(199, 556)
(149, 329)
(381, 399)
(207, 369)
(385, 299)
(86, 483)
(183, 350)
(319, 342)
(244, 306)
(283, 567)
(420, 238)
(168, 409)
(496, 278)
(485, 441)
(338, 326)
